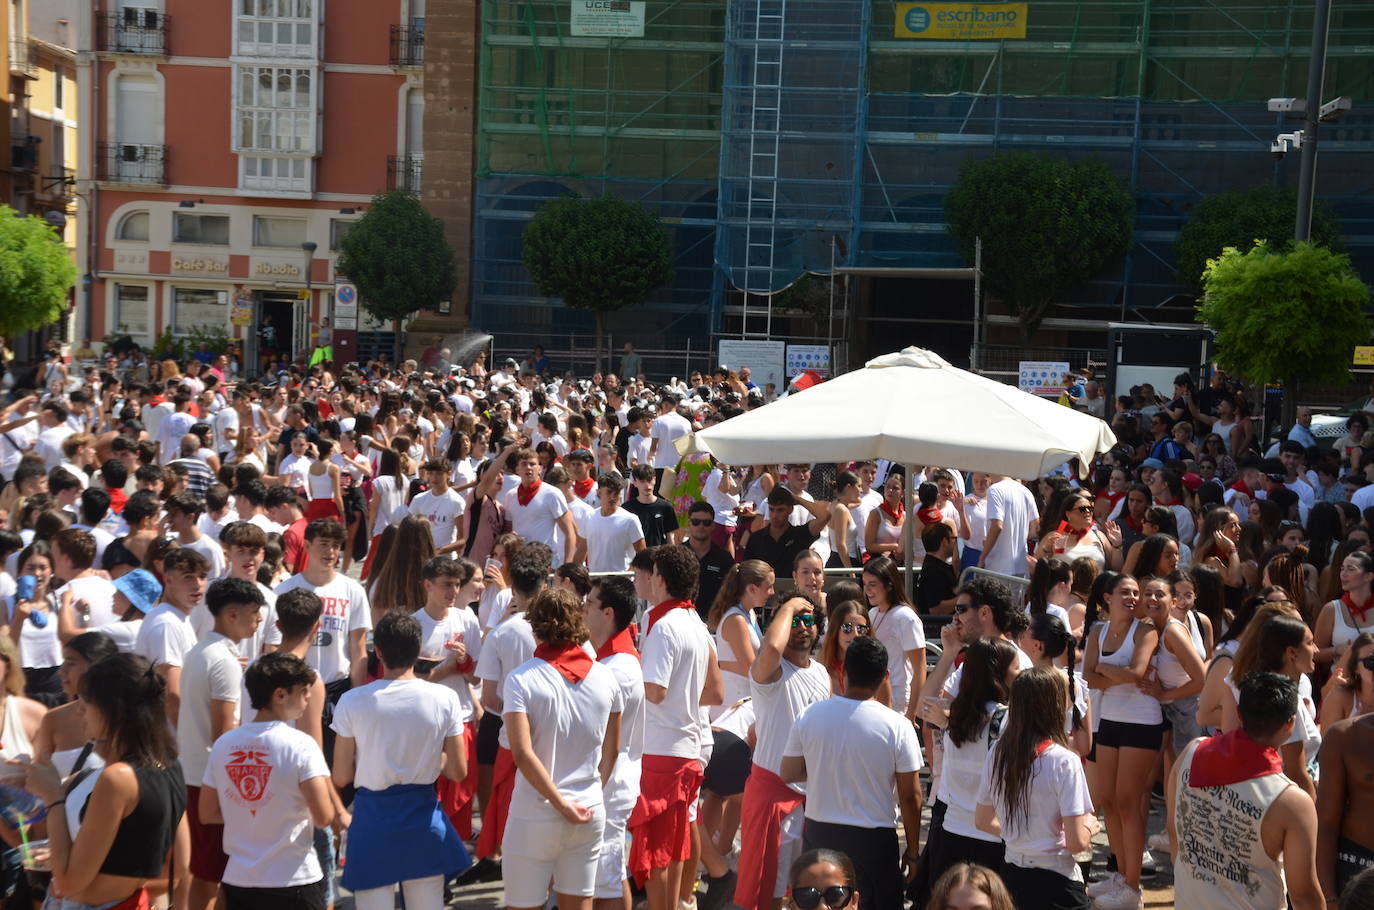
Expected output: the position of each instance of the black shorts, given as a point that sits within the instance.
(1116, 734)
(488, 738)
(299, 897)
(731, 762)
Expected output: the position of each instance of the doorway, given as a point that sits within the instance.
(275, 311)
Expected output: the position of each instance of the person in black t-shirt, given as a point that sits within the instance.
(655, 514)
(937, 581)
(715, 562)
(775, 539)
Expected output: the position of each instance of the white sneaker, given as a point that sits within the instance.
(1147, 863)
(1158, 843)
(1111, 883)
(1124, 898)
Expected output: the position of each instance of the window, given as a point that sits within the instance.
(59, 76)
(337, 231)
(133, 226)
(200, 229)
(196, 308)
(276, 28)
(275, 130)
(279, 232)
(133, 316)
(138, 109)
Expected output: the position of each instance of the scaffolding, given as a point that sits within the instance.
(784, 137)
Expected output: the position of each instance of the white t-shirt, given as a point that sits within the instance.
(38, 647)
(50, 444)
(507, 646)
(98, 593)
(1057, 790)
(492, 606)
(622, 790)
(212, 551)
(539, 519)
(391, 506)
(638, 451)
(675, 655)
(567, 726)
(724, 503)
(1023, 662)
(667, 428)
(165, 637)
(345, 611)
(610, 540)
(1011, 503)
(295, 469)
(900, 631)
(202, 621)
(435, 634)
(211, 673)
(169, 433)
(399, 727)
(853, 750)
(778, 704)
(442, 511)
(258, 770)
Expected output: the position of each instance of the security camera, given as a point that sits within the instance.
(1287, 105)
(1278, 149)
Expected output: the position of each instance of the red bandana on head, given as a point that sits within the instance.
(570, 660)
(1357, 611)
(582, 487)
(526, 493)
(621, 642)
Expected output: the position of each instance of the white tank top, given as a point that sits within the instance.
(736, 684)
(321, 485)
(1123, 702)
(1224, 431)
(1343, 632)
(14, 739)
(1167, 666)
(1221, 861)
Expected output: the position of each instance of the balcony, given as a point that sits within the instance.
(24, 153)
(123, 162)
(23, 58)
(134, 31)
(403, 172)
(408, 44)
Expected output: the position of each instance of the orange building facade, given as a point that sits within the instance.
(229, 147)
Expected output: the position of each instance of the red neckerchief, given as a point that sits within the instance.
(930, 516)
(1042, 747)
(1231, 758)
(582, 487)
(621, 642)
(118, 498)
(894, 514)
(661, 611)
(1114, 498)
(1240, 487)
(1066, 528)
(1358, 612)
(1126, 519)
(526, 493)
(568, 659)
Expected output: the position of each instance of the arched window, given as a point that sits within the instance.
(133, 226)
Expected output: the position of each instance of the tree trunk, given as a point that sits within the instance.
(600, 336)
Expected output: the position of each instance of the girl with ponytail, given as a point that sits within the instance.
(1047, 642)
(733, 620)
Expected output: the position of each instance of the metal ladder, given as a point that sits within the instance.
(764, 128)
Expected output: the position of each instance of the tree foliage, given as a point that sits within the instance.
(1240, 217)
(398, 258)
(1292, 316)
(1048, 225)
(36, 273)
(598, 255)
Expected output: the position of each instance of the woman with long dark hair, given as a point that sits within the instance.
(1343, 619)
(1047, 642)
(894, 622)
(388, 503)
(62, 735)
(1350, 691)
(734, 621)
(977, 717)
(110, 834)
(1034, 796)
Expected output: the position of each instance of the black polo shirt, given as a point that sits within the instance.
(714, 565)
(780, 552)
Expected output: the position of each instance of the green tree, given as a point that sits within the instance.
(1291, 317)
(1048, 225)
(599, 255)
(398, 258)
(36, 274)
(1240, 217)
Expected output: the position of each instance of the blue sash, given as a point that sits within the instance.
(399, 834)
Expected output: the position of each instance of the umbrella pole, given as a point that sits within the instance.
(909, 534)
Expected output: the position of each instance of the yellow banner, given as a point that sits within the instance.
(961, 21)
(1364, 355)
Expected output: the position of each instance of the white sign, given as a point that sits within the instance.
(345, 301)
(807, 357)
(346, 323)
(608, 18)
(765, 360)
(1042, 377)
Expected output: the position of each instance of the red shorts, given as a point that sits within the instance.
(322, 508)
(660, 825)
(207, 841)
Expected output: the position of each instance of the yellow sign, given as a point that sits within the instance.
(961, 21)
(1364, 355)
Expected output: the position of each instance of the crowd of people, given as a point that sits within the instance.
(445, 624)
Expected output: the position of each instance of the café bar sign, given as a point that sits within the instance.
(199, 265)
(961, 21)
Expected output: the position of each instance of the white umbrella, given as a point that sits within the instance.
(913, 408)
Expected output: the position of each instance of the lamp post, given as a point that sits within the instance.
(308, 247)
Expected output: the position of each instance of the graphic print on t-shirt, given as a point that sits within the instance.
(333, 621)
(249, 773)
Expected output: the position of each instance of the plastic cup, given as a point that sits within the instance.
(35, 855)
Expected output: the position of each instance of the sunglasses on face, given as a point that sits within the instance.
(805, 619)
(1367, 662)
(810, 898)
(1085, 509)
(702, 522)
(962, 608)
(853, 628)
